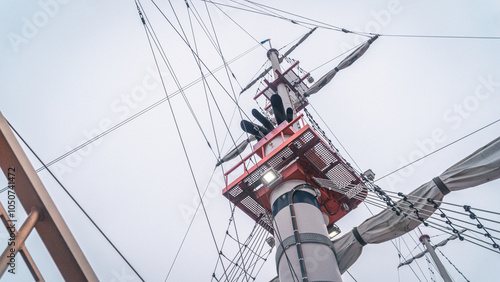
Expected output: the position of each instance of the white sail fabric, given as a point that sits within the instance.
(349, 60)
(236, 151)
(421, 254)
(478, 168)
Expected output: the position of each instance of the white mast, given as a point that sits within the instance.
(304, 248)
(272, 54)
(425, 241)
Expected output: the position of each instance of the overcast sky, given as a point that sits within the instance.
(71, 69)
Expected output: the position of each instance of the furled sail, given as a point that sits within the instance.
(421, 254)
(480, 167)
(349, 60)
(236, 151)
(280, 59)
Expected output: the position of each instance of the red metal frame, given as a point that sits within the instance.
(303, 155)
(281, 79)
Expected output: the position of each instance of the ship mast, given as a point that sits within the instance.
(304, 244)
(282, 192)
(425, 240)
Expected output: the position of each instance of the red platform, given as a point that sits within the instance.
(303, 155)
(292, 81)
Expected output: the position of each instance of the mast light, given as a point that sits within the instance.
(333, 231)
(270, 176)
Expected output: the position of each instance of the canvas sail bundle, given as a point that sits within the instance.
(478, 168)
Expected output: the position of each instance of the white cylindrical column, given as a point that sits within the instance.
(425, 241)
(303, 248)
(272, 54)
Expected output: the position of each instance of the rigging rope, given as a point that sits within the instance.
(454, 266)
(76, 202)
(437, 150)
(181, 140)
(324, 25)
(189, 227)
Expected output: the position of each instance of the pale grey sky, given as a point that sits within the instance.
(71, 69)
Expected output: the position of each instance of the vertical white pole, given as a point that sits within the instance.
(272, 54)
(304, 250)
(425, 241)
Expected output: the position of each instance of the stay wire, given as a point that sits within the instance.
(269, 13)
(430, 210)
(430, 214)
(438, 36)
(335, 136)
(189, 228)
(336, 28)
(336, 57)
(446, 209)
(477, 209)
(397, 249)
(237, 239)
(201, 61)
(225, 64)
(430, 219)
(205, 89)
(226, 67)
(418, 265)
(134, 116)
(196, 58)
(437, 150)
(351, 276)
(182, 143)
(204, 65)
(433, 224)
(236, 98)
(294, 21)
(244, 30)
(76, 202)
(454, 266)
(447, 203)
(160, 49)
(443, 229)
(221, 54)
